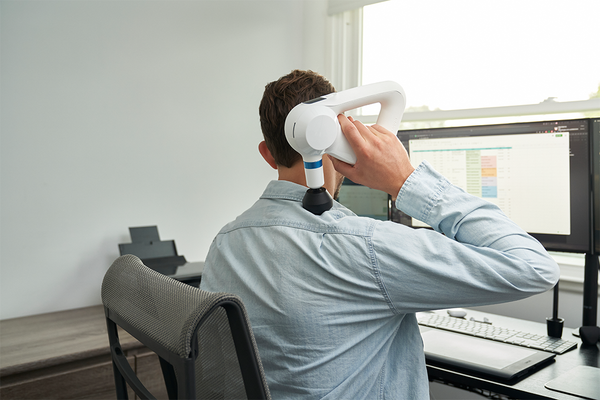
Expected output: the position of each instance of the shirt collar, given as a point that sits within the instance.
(287, 190)
(284, 190)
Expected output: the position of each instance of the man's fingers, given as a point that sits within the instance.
(340, 166)
(350, 129)
(380, 130)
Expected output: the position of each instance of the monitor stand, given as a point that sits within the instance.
(590, 290)
(589, 332)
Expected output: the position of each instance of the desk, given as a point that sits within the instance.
(66, 355)
(190, 273)
(532, 386)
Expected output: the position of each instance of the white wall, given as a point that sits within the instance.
(127, 113)
(538, 308)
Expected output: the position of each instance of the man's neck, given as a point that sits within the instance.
(294, 174)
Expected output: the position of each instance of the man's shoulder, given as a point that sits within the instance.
(269, 213)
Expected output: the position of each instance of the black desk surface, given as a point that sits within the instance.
(186, 272)
(532, 386)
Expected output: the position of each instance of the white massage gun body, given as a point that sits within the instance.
(312, 127)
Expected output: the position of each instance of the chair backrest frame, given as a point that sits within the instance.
(177, 389)
(174, 365)
(245, 350)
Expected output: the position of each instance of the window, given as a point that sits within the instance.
(509, 58)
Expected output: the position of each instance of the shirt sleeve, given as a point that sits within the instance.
(474, 255)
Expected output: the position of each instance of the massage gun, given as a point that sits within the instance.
(312, 129)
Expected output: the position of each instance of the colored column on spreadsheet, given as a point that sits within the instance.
(473, 160)
(489, 177)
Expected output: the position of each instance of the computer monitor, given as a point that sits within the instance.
(363, 201)
(538, 173)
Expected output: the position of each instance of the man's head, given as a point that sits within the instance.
(278, 100)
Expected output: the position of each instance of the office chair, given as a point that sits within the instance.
(203, 340)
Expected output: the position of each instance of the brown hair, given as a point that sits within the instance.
(278, 100)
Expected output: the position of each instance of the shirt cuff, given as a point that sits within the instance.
(421, 192)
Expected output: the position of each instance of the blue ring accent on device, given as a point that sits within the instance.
(313, 165)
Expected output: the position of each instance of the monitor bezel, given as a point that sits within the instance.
(595, 180)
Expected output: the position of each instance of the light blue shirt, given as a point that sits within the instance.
(332, 298)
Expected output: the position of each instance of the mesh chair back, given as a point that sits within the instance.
(205, 337)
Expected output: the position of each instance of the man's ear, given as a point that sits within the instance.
(266, 154)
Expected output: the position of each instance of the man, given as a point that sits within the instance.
(332, 298)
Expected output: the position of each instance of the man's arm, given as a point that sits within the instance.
(481, 258)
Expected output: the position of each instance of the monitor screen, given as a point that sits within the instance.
(595, 127)
(537, 173)
(363, 201)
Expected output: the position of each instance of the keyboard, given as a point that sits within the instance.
(488, 331)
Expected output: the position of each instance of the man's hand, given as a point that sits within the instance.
(381, 160)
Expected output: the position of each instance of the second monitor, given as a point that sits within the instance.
(364, 201)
